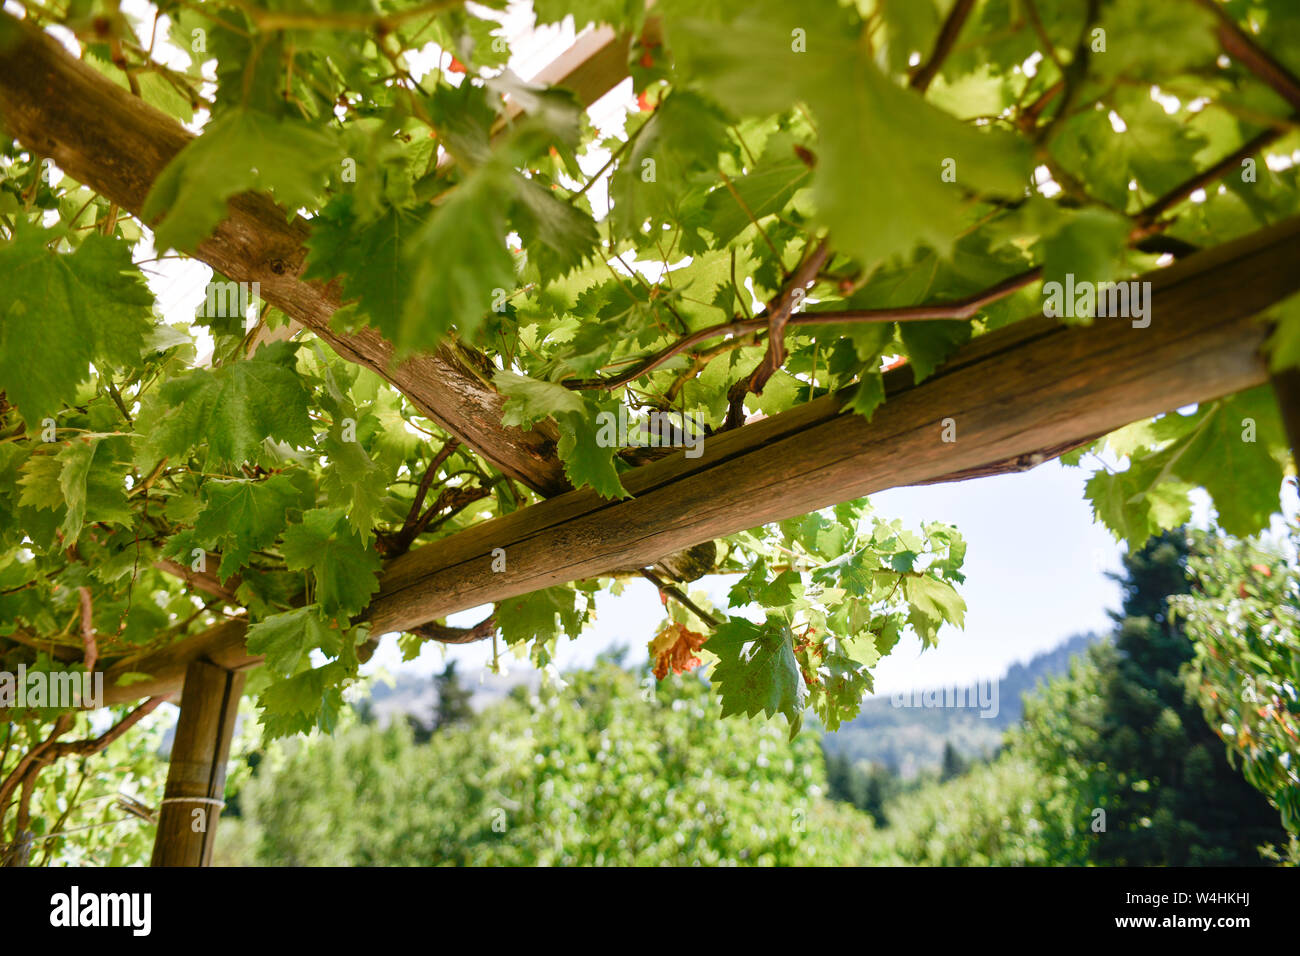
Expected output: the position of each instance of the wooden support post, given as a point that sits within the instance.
(196, 778)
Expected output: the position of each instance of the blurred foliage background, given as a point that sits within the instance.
(1172, 743)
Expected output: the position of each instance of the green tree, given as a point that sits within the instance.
(989, 816)
(954, 764)
(1243, 616)
(867, 786)
(601, 772)
(451, 699)
(1121, 736)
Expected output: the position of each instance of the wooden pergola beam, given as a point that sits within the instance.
(221, 645)
(1017, 397)
(1019, 392)
(117, 144)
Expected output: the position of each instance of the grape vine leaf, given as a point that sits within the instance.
(368, 258)
(240, 517)
(756, 671)
(344, 569)
(1232, 447)
(540, 616)
(233, 408)
(309, 699)
(588, 459)
(880, 196)
(287, 639)
(45, 299)
(82, 481)
(240, 151)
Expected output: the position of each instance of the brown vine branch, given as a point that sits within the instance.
(677, 595)
(778, 315)
(458, 635)
(780, 311)
(1147, 219)
(1241, 46)
(202, 580)
(88, 629)
(448, 503)
(943, 45)
(93, 745)
(417, 503)
(62, 725)
(957, 309)
(963, 308)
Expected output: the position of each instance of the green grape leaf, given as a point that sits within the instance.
(46, 298)
(240, 517)
(587, 443)
(344, 569)
(929, 343)
(756, 671)
(82, 481)
(303, 702)
(558, 236)
(233, 408)
(462, 268)
(880, 196)
(240, 151)
(287, 639)
(540, 616)
(368, 258)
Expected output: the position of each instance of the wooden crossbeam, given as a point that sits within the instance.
(1031, 386)
(117, 144)
(1017, 397)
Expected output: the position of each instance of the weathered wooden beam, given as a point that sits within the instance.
(1032, 386)
(222, 645)
(196, 774)
(101, 135)
(1017, 397)
(594, 64)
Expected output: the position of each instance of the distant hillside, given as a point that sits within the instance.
(911, 739)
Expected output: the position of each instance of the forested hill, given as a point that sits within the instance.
(910, 739)
(907, 739)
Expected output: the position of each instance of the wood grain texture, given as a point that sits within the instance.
(1028, 390)
(101, 135)
(196, 772)
(221, 644)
